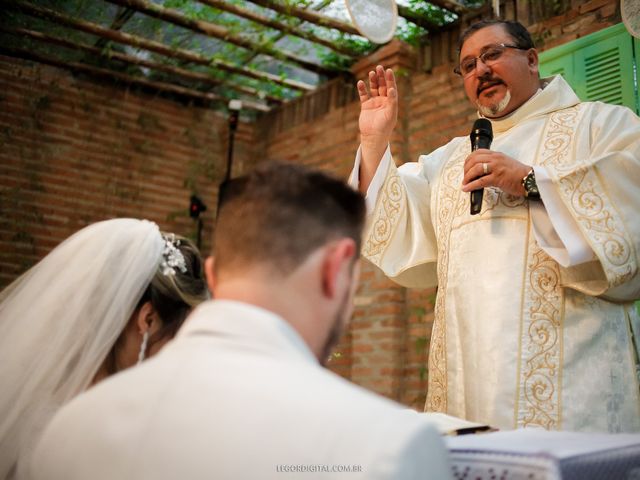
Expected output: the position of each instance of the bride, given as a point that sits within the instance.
(101, 301)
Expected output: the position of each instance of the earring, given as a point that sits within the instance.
(143, 347)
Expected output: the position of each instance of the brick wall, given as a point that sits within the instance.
(73, 151)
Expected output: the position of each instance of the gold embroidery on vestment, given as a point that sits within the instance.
(390, 203)
(538, 402)
(582, 190)
(449, 201)
(452, 212)
(541, 342)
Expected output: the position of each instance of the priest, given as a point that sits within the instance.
(534, 313)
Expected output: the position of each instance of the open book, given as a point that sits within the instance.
(448, 425)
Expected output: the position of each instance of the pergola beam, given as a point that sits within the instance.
(418, 19)
(123, 77)
(451, 5)
(151, 45)
(323, 4)
(154, 9)
(282, 27)
(122, 17)
(131, 60)
(328, 22)
(308, 16)
(215, 31)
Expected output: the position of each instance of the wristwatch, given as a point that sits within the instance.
(530, 186)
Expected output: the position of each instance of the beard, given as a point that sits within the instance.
(337, 329)
(495, 108)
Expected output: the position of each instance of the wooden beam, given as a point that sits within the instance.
(122, 16)
(471, 16)
(328, 22)
(283, 27)
(215, 31)
(450, 5)
(123, 77)
(523, 12)
(131, 60)
(263, 76)
(417, 18)
(151, 45)
(307, 16)
(320, 6)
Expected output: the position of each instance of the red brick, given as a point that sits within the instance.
(362, 348)
(361, 371)
(384, 335)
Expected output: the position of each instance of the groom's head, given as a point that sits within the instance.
(295, 233)
(280, 213)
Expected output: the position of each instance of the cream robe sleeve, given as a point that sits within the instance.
(600, 186)
(399, 237)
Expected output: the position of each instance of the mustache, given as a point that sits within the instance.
(488, 82)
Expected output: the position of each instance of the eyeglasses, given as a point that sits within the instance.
(490, 56)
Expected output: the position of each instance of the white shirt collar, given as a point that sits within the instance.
(246, 324)
(554, 95)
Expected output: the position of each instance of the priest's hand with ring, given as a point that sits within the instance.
(486, 168)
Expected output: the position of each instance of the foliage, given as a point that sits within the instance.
(411, 33)
(330, 58)
(421, 344)
(430, 12)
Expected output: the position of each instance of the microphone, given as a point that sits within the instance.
(481, 136)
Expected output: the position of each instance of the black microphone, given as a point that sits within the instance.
(481, 136)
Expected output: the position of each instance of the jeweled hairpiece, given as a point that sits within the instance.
(172, 257)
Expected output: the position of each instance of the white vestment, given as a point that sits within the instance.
(534, 310)
(237, 395)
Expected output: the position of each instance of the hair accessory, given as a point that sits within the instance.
(172, 257)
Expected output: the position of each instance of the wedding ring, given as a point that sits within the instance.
(485, 168)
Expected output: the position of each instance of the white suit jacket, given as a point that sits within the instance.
(237, 395)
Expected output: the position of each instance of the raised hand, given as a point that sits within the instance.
(378, 116)
(378, 104)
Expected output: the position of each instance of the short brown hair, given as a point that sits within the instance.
(280, 213)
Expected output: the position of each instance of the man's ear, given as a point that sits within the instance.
(532, 58)
(209, 273)
(147, 319)
(336, 262)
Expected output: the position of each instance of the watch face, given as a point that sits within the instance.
(530, 186)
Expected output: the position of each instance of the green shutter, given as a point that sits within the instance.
(606, 71)
(636, 55)
(598, 66)
(561, 65)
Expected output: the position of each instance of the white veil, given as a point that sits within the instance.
(60, 319)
